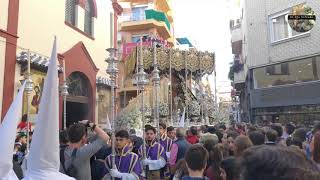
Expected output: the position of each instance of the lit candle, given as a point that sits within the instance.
(64, 70)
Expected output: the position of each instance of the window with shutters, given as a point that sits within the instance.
(88, 17)
(70, 12)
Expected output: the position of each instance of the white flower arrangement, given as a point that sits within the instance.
(129, 119)
(163, 109)
(194, 108)
(147, 111)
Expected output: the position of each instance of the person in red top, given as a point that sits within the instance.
(22, 126)
(192, 137)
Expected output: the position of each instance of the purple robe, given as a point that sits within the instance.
(166, 142)
(126, 162)
(156, 151)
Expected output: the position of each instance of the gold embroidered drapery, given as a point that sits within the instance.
(194, 60)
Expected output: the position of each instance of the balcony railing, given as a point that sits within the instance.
(158, 16)
(129, 47)
(145, 15)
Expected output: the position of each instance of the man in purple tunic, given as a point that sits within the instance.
(127, 163)
(155, 158)
(166, 142)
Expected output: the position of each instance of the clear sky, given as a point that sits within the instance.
(206, 24)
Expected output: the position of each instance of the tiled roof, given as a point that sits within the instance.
(37, 60)
(42, 63)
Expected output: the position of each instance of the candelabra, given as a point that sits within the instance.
(141, 81)
(112, 70)
(156, 86)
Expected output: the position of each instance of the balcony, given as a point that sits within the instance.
(239, 71)
(127, 48)
(145, 19)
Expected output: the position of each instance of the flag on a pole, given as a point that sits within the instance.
(182, 119)
(43, 161)
(8, 130)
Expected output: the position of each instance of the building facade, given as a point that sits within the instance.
(150, 20)
(8, 41)
(84, 29)
(281, 66)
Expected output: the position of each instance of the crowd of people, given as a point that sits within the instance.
(219, 152)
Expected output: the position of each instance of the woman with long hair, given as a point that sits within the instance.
(213, 171)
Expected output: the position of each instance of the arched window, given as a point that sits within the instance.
(88, 17)
(78, 84)
(70, 12)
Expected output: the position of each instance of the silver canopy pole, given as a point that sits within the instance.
(141, 81)
(28, 89)
(64, 93)
(156, 85)
(112, 70)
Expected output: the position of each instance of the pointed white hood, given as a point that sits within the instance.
(43, 160)
(8, 129)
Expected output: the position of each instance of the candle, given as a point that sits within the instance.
(29, 62)
(154, 53)
(64, 70)
(141, 53)
(111, 30)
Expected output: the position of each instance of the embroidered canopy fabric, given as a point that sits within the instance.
(191, 60)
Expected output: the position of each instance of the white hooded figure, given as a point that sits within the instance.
(43, 159)
(8, 130)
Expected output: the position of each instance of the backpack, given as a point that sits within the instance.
(71, 170)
